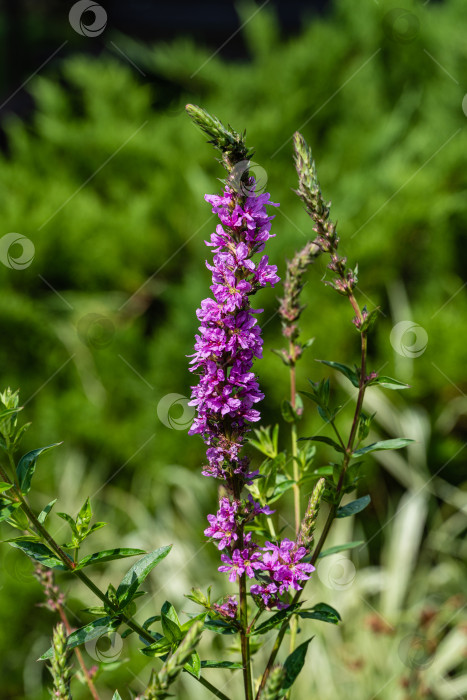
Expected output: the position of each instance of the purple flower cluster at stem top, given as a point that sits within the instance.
(230, 339)
(225, 397)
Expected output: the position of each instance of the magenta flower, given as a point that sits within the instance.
(223, 526)
(242, 561)
(283, 564)
(228, 608)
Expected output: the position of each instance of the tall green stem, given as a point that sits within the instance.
(244, 631)
(245, 640)
(296, 471)
(296, 476)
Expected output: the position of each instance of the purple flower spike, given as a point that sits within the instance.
(229, 337)
(227, 394)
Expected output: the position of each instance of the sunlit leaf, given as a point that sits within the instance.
(393, 444)
(138, 572)
(353, 507)
(108, 555)
(340, 548)
(27, 465)
(294, 664)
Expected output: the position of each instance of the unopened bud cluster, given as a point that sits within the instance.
(290, 308)
(326, 239)
(308, 525)
(59, 666)
(54, 599)
(224, 139)
(273, 689)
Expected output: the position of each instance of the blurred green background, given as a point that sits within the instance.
(104, 173)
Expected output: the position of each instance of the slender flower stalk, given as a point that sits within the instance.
(290, 310)
(344, 283)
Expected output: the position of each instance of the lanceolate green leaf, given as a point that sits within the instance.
(389, 383)
(353, 507)
(27, 465)
(170, 629)
(394, 444)
(70, 521)
(326, 440)
(219, 626)
(108, 555)
(323, 612)
(116, 696)
(161, 647)
(169, 610)
(44, 513)
(138, 572)
(187, 625)
(96, 628)
(9, 412)
(194, 664)
(221, 664)
(324, 471)
(38, 551)
(346, 371)
(8, 510)
(277, 619)
(340, 548)
(294, 664)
